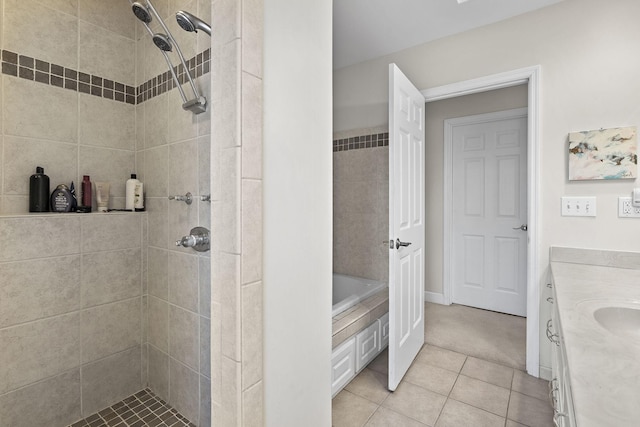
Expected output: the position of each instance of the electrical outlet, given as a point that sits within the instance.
(626, 209)
(578, 206)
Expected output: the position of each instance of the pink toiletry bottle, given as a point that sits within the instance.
(86, 191)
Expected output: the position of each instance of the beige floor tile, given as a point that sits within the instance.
(513, 424)
(481, 333)
(442, 358)
(384, 417)
(381, 363)
(349, 410)
(431, 377)
(482, 395)
(488, 372)
(458, 414)
(531, 386)
(530, 411)
(415, 402)
(369, 384)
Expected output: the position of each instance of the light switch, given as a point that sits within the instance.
(578, 206)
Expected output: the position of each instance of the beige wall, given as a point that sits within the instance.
(436, 113)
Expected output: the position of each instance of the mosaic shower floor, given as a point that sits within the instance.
(138, 410)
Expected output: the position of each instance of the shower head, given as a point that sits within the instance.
(141, 12)
(163, 42)
(191, 23)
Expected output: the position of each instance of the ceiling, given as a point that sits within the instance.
(367, 29)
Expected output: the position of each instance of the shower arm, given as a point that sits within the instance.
(178, 50)
(173, 73)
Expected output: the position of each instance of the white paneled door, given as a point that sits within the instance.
(406, 224)
(489, 262)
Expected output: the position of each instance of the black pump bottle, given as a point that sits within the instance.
(39, 191)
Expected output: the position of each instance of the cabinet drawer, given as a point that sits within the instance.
(367, 344)
(343, 365)
(384, 331)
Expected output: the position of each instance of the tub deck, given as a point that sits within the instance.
(358, 317)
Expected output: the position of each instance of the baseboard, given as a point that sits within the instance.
(546, 373)
(434, 297)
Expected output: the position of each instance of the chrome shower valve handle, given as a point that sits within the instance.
(187, 198)
(198, 240)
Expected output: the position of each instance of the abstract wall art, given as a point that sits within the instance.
(603, 154)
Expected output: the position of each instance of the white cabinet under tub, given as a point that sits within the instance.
(353, 355)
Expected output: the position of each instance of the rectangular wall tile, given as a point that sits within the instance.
(104, 53)
(156, 172)
(56, 236)
(205, 346)
(184, 336)
(158, 217)
(253, 406)
(251, 126)
(216, 354)
(109, 329)
(106, 123)
(158, 323)
(53, 402)
(24, 297)
(113, 16)
(251, 230)
(205, 401)
(22, 155)
(53, 36)
(112, 231)
(37, 350)
(159, 372)
(110, 276)
(183, 280)
(230, 305)
(110, 380)
(184, 389)
(32, 102)
(158, 272)
(231, 404)
(251, 334)
(204, 277)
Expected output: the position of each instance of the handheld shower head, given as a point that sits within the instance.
(141, 11)
(190, 23)
(163, 42)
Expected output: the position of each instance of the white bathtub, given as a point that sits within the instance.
(349, 291)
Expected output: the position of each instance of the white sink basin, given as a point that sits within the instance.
(622, 321)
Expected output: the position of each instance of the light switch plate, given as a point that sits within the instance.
(626, 208)
(578, 206)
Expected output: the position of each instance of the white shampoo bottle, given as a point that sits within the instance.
(130, 191)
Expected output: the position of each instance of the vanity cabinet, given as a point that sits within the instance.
(559, 387)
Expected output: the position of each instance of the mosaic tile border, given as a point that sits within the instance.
(362, 141)
(25, 67)
(141, 409)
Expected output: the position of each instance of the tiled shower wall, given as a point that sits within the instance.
(173, 158)
(361, 203)
(237, 287)
(70, 315)
(69, 70)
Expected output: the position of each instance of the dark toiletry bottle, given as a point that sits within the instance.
(86, 191)
(74, 199)
(39, 191)
(61, 199)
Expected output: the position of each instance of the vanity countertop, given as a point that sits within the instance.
(604, 368)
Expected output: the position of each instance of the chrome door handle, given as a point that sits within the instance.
(523, 227)
(399, 243)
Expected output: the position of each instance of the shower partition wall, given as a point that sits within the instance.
(94, 306)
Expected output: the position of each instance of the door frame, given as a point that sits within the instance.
(449, 125)
(530, 76)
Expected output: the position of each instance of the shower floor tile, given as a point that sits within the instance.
(138, 410)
